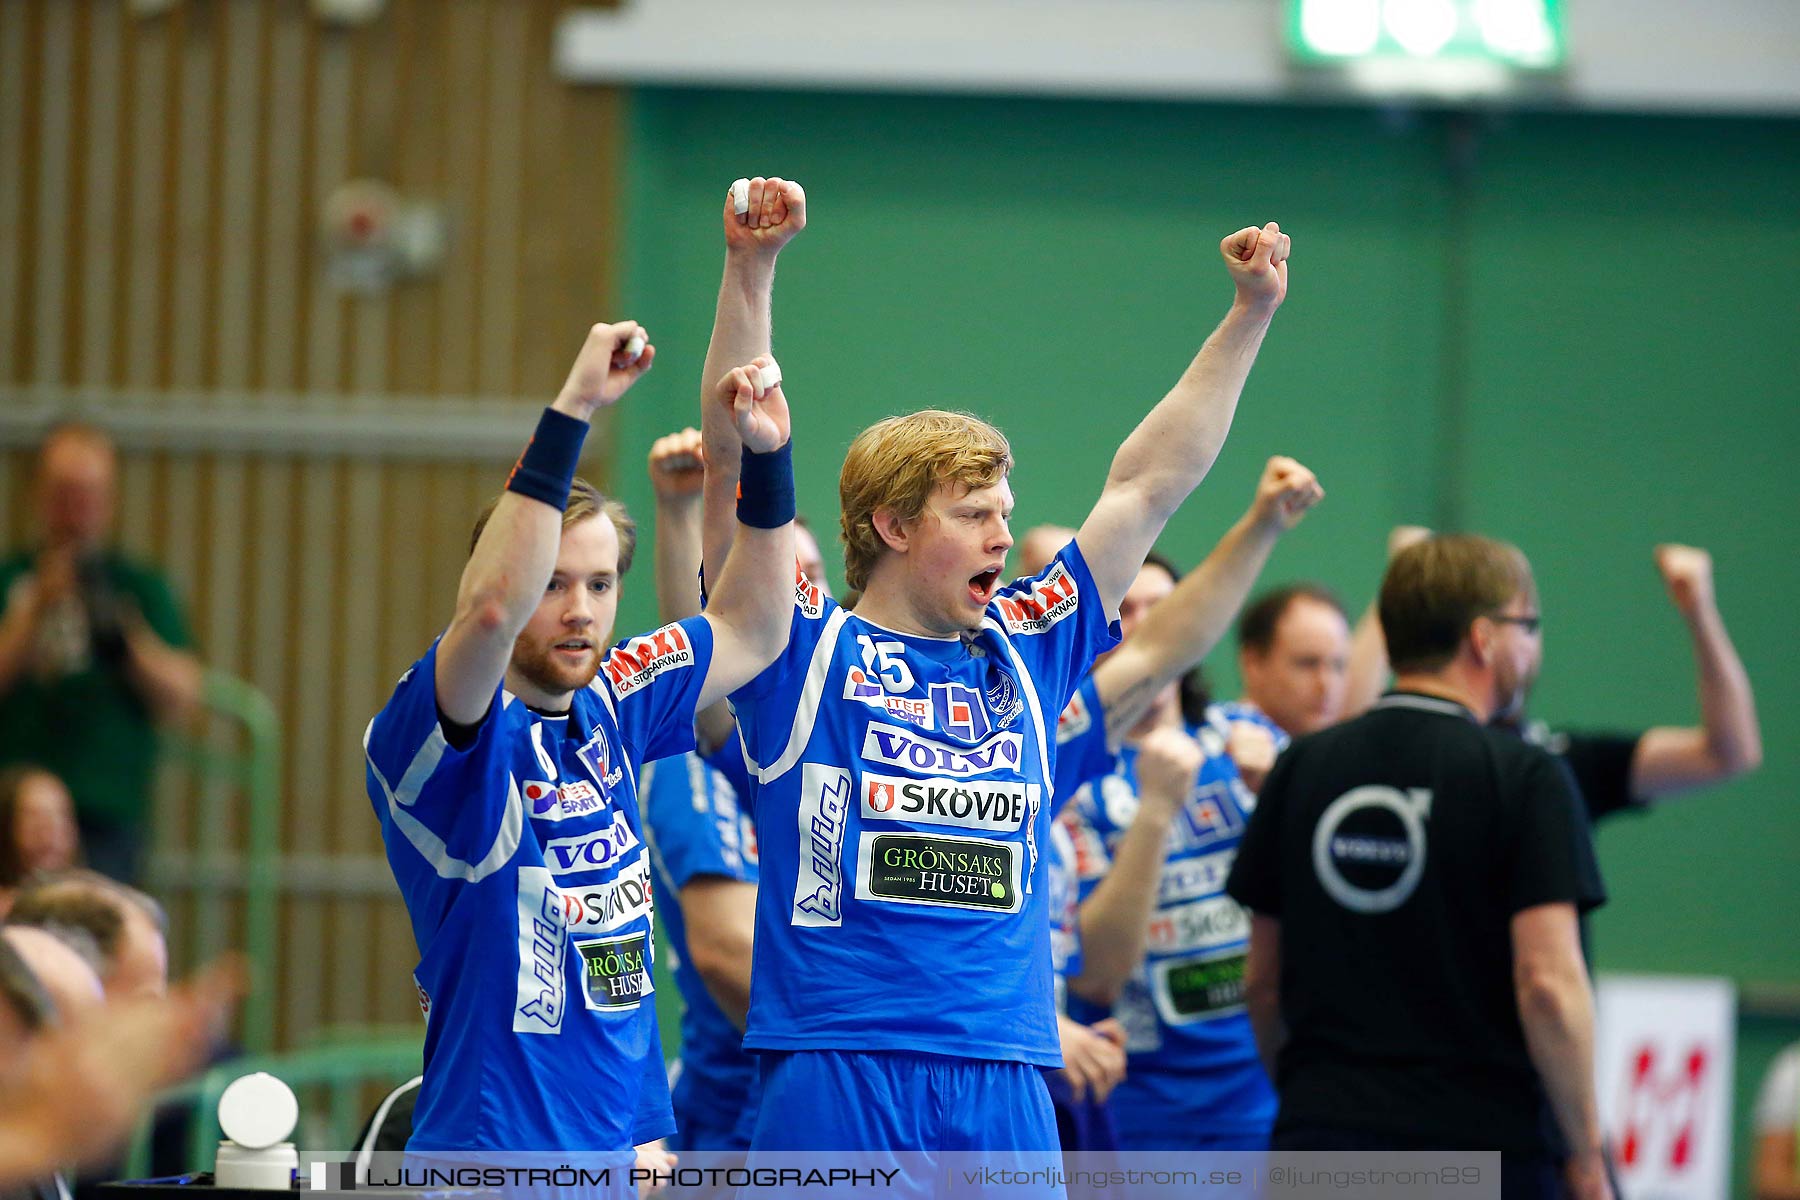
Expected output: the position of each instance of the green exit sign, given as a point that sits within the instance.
(1526, 34)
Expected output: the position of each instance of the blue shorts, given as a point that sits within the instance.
(900, 1100)
(918, 1116)
(1228, 1109)
(707, 1120)
(1085, 1124)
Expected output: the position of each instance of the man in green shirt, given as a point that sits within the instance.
(92, 652)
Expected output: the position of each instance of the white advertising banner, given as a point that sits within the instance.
(1664, 1051)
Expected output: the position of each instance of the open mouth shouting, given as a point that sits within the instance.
(983, 586)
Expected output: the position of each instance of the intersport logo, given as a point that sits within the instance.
(560, 801)
(896, 747)
(989, 804)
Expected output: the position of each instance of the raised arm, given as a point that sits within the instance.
(1115, 919)
(512, 562)
(677, 468)
(752, 604)
(1368, 674)
(1180, 631)
(1728, 741)
(741, 332)
(1173, 448)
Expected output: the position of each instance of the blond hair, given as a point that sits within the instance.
(1434, 591)
(585, 500)
(895, 464)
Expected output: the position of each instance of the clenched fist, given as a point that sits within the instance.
(777, 213)
(1168, 762)
(677, 465)
(1257, 260)
(1283, 494)
(1687, 573)
(761, 414)
(1252, 750)
(606, 367)
(1402, 536)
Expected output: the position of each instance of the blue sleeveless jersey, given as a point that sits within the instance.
(903, 808)
(1191, 1053)
(697, 828)
(524, 870)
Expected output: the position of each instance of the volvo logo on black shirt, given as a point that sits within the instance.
(1369, 847)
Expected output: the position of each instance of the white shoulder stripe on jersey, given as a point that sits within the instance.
(543, 755)
(602, 689)
(429, 845)
(699, 794)
(808, 711)
(599, 687)
(1029, 690)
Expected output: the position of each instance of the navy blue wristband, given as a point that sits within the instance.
(547, 467)
(766, 488)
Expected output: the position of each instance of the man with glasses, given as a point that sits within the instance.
(1415, 977)
(1628, 771)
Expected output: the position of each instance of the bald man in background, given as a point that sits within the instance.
(1039, 546)
(125, 927)
(77, 1074)
(70, 980)
(92, 652)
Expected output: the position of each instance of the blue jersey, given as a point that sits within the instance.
(698, 829)
(1081, 755)
(902, 806)
(1191, 1053)
(522, 862)
(1065, 910)
(1081, 750)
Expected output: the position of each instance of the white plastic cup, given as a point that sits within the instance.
(258, 1110)
(265, 1167)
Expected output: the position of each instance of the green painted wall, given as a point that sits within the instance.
(1582, 339)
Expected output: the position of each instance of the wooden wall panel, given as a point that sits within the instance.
(90, 335)
(17, 145)
(55, 61)
(161, 181)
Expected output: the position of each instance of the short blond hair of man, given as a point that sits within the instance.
(896, 464)
(585, 500)
(1434, 590)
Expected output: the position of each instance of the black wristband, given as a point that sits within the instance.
(547, 467)
(766, 487)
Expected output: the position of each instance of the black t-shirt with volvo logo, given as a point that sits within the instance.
(1395, 850)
